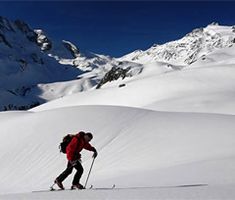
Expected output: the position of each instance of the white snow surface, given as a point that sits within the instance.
(167, 133)
(137, 148)
(198, 88)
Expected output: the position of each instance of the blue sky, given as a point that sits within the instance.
(117, 28)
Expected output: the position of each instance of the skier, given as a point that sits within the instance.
(80, 141)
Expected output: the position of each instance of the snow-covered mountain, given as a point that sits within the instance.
(123, 103)
(23, 65)
(195, 45)
(31, 63)
(36, 69)
(206, 85)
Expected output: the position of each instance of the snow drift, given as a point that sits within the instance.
(136, 147)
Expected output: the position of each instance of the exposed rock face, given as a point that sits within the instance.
(30, 34)
(114, 74)
(72, 48)
(5, 25)
(43, 41)
(3, 40)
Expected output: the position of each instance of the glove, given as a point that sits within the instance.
(95, 154)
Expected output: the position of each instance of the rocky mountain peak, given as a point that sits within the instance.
(24, 28)
(71, 48)
(42, 40)
(5, 25)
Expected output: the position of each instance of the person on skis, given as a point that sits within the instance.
(80, 141)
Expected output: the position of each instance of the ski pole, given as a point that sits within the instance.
(89, 172)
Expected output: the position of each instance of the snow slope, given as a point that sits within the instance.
(187, 193)
(136, 147)
(200, 88)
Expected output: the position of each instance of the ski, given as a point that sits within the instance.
(90, 188)
(101, 188)
(67, 189)
(125, 188)
(148, 187)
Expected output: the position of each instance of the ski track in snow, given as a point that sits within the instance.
(183, 193)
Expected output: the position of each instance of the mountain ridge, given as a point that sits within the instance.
(36, 69)
(185, 51)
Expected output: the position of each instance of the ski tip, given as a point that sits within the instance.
(192, 185)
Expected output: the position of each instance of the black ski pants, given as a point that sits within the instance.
(69, 170)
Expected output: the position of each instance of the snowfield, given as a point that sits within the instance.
(184, 193)
(137, 148)
(207, 89)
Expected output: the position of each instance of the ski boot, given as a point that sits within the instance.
(77, 186)
(59, 184)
